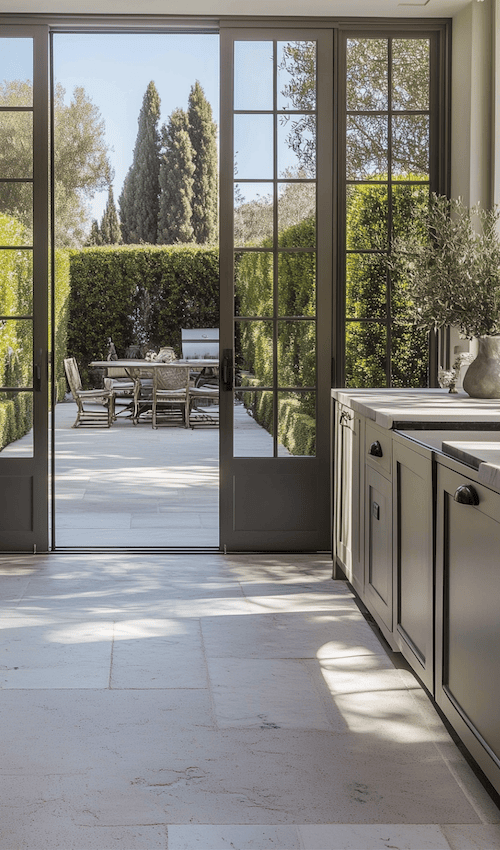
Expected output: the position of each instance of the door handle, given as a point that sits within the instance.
(227, 370)
(376, 449)
(37, 371)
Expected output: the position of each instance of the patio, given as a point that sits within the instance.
(137, 487)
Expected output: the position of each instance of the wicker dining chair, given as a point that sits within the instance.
(171, 395)
(94, 414)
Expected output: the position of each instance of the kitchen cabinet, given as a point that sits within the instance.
(467, 612)
(412, 557)
(348, 529)
(417, 498)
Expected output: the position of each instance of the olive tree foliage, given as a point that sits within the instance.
(203, 135)
(253, 219)
(82, 165)
(139, 199)
(366, 91)
(176, 181)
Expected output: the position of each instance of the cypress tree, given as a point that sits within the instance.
(139, 197)
(176, 181)
(110, 226)
(95, 236)
(203, 134)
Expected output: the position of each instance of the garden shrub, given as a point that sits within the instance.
(16, 344)
(139, 295)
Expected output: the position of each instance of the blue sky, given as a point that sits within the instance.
(115, 71)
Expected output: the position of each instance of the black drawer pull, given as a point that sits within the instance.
(376, 449)
(466, 495)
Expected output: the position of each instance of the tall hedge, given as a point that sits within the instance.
(139, 295)
(296, 341)
(366, 290)
(16, 343)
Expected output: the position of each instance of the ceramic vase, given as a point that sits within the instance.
(482, 378)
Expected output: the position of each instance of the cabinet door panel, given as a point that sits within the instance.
(378, 545)
(468, 633)
(413, 567)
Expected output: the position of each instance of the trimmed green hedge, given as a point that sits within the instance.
(296, 340)
(16, 344)
(139, 295)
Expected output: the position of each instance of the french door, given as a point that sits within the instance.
(276, 245)
(24, 260)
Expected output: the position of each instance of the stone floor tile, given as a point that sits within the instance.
(232, 837)
(158, 654)
(261, 693)
(331, 634)
(56, 655)
(472, 836)
(373, 837)
(59, 833)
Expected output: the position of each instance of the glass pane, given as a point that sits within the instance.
(16, 214)
(253, 75)
(297, 215)
(407, 202)
(296, 424)
(410, 146)
(253, 286)
(16, 71)
(255, 355)
(16, 353)
(297, 284)
(367, 66)
(16, 145)
(253, 424)
(410, 73)
(297, 146)
(366, 147)
(366, 286)
(253, 147)
(367, 218)
(365, 354)
(409, 356)
(253, 214)
(16, 276)
(297, 354)
(297, 75)
(17, 410)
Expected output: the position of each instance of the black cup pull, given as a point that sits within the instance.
(466, 495)
(376, 449)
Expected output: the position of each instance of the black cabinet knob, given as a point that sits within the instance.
(376, 449)
(466, 495)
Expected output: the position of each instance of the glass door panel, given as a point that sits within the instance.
(276, 146)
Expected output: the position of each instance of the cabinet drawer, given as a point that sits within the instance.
(378, 448)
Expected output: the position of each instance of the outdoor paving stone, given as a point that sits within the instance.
(465, 836)
(96, 520)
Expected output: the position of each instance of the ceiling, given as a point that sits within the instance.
(218, 8)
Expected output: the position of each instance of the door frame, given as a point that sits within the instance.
(309, 489)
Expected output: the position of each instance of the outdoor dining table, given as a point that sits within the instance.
(146, 367)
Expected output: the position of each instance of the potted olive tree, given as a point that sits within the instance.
(449, 265)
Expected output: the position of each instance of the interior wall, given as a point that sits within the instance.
(475, 158)
(472, 101)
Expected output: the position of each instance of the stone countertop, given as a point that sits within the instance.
(391, 408)
(478, 449)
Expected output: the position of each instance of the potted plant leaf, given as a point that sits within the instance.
(449, 265)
